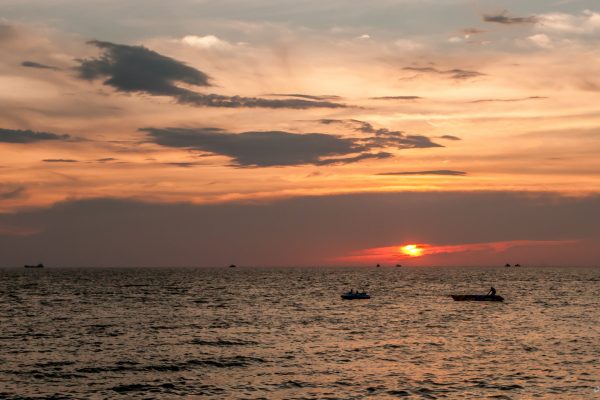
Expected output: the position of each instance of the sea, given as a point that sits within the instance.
(285, 333)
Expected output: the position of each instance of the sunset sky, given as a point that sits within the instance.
(280, 132)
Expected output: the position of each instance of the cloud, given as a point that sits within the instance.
(60, 160)
(588, 23)
(449, 137)
(33, 64)
(14, 193)
(455, 73)
(383, 137)
(136, 69)
(306, 96)
(106, 159)
(28, 136)
(206, 42)
(266, 148)
(504, 18)
(541, 40)
(508, 100)
(445, 172)
(396, 98)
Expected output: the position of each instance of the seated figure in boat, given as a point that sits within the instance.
(492, 292)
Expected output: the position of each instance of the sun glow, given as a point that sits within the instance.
(412, 250)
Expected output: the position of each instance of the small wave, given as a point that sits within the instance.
(222, 342)
(399, 393)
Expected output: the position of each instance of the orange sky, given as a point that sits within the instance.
(402, 97)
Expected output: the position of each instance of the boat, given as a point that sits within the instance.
(517, 265)
(378, 265)
(507, 265)
(232, 266)
(34, 266)
(398, 265)
(351, 295)
(476, 297)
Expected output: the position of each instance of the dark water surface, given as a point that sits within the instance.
(285, 333)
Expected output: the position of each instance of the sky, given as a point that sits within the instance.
(297, 133)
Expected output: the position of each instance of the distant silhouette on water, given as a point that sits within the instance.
(378, 265)
(34, 266)
(232, 266)
(355, 295)
(490, 296)
(507, 265)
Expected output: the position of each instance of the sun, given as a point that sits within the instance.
(412, 250)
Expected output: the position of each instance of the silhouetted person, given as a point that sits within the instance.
(492, 292)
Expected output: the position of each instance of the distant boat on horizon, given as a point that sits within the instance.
(232, 266)
(398, 265)
(34, 266)
(508, 265)
(378, 265)
(517, 265)
(355, 295)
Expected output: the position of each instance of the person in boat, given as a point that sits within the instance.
(492, 292)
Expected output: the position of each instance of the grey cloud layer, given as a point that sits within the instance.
(27, 136)
(267, 148)
(136, 69)
(299, 231)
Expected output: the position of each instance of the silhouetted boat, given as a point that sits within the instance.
(507, 265)
(378, 265)
(477, 297)
(355, 295)
(398, 265)
(232, 266)
(517, 265)
(34, 266)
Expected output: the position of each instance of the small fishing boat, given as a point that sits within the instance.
(34, 266)
(352, 295)
(233, 266)
(477, 297)
(507, 265)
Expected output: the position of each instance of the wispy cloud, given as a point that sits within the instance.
(60, 160)
(455, 73)
(505, 18)
(509, 100)
(396, 98)
(28, 136)
(33, 64)
(384, 137)
(445, 172)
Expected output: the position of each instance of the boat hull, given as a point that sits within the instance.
(476, 297)
(355, 297)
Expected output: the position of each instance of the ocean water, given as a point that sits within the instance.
(284, 333)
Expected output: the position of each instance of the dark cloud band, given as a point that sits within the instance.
(136, 69)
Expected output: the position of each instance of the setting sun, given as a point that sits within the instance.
(412, 250)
